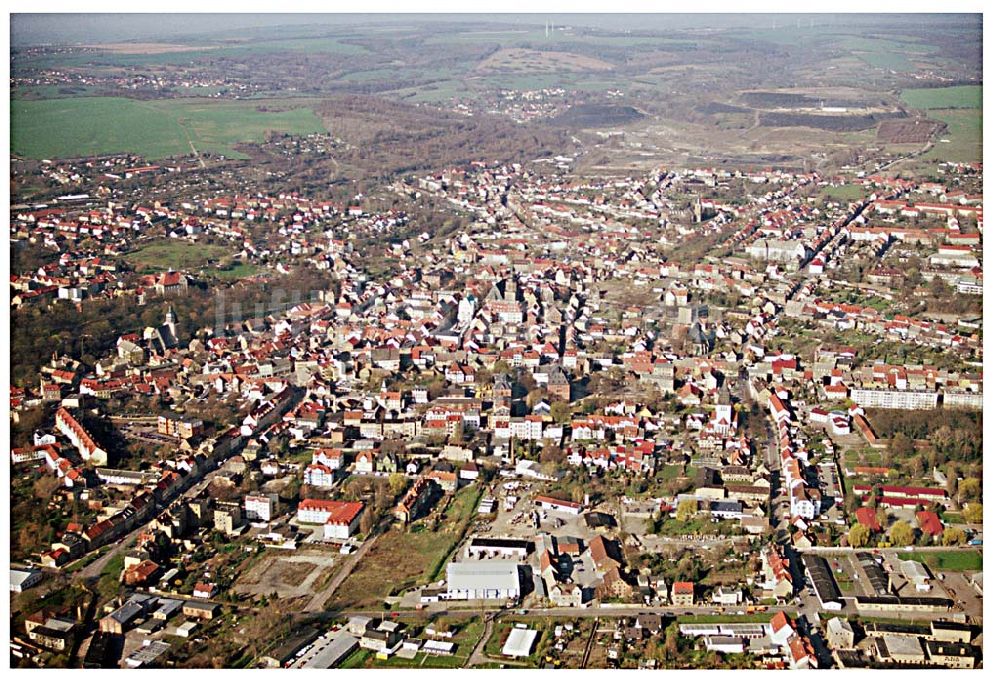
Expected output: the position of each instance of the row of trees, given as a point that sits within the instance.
(900, 534)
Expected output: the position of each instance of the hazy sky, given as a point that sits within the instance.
(38, 29)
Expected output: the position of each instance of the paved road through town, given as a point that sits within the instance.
(93, 570)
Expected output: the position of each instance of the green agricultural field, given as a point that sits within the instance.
(964, 96)
(958, 560)
(325, 45)
(961, 109)
(53, 92)
(62, 128)
(880, 45)
(112, 58)
(536, 37)
(964, 135)
(176, 255)
(894, 55)
(783, 35)
(893, 61)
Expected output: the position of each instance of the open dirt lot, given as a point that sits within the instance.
(290, 575)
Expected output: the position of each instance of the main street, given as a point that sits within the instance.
(568, 612)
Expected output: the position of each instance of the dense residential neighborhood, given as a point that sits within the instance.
(518, 379)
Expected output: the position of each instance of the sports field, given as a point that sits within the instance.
(66, 128)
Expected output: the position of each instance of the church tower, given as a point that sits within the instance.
(170, 320)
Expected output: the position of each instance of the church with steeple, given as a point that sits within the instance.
(165, 336)
(700, 341)
(723, 423)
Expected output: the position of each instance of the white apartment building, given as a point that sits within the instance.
(260, 507)
(895, 398)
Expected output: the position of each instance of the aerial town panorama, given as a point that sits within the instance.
(496, 341)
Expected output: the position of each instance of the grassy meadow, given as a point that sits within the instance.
(178, 255)
(958, 560)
